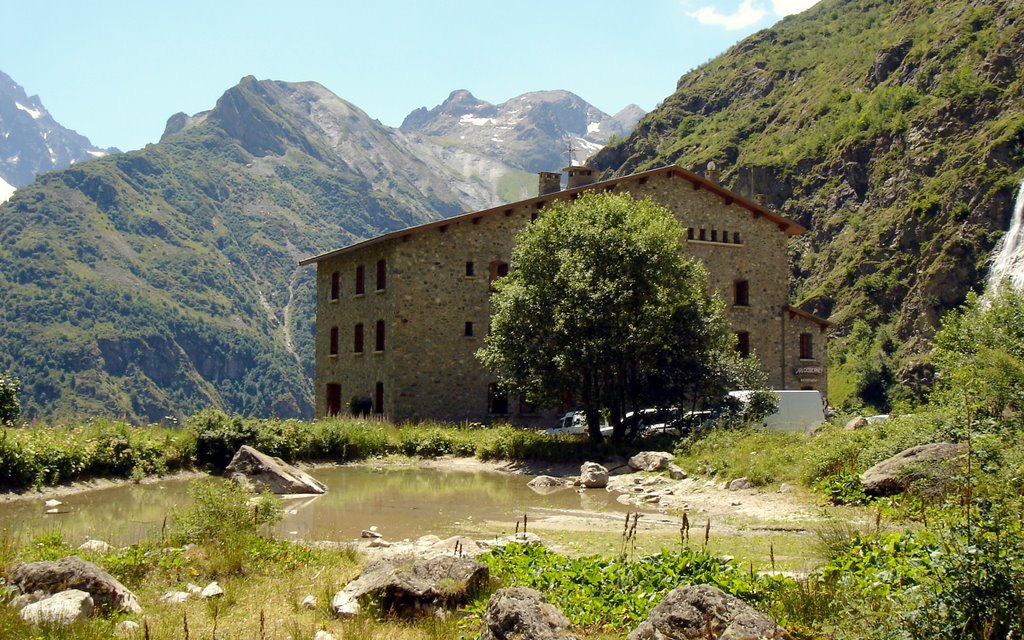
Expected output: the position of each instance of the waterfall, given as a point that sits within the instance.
(1008, 259)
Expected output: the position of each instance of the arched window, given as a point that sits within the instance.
(382, 274)
(743, 343)
(497, 402)
(379, 346)
(378, 398)
(333, 398)
(806, 346)
(360, 280)
(741, 293)
(334, 341)
(497, 269)
(335, 285)
(357, 338)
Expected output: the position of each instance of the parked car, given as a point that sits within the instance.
(575, 423)
(670, 420)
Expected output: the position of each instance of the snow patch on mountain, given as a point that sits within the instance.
(35, 113)
(6, 191)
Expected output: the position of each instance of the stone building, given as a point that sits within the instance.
(400, 316)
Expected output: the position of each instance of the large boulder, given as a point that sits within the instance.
(515, 613)
(61, 608)
(593, 476)
(257, 470)
(651, 461)
(892, 475)
(406, 588)
(706, 613)
(74, 573)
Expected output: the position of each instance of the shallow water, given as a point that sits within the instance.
(402, 502)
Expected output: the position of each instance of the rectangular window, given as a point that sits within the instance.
(469, 330)
(806, 346)
(703, 235)
(334, 341)
(360, 280)
(469, 269)
(378, 398)
(335, 285)
(743, 343)
(714, 235)
(333, 398)
(741, 293)
(380, 336)
(358, 339)
(689, 233)
(382, 274)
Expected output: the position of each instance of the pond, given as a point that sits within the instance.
(402, 502)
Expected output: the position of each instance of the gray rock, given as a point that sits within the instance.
(706, 613)
(175, 597)
(651, 461)
(309, 602)
(19, 602)
(857, 423)
(257, 470)
(323, 635)
(676, 472)
(516, 613)
(546, 482)
(785, 487)
(407, 588)
(127, 628)
(62, 608)
(212, 590)
(740, 483)
(97, 546)
(890, 476)
(593, 476)
(74, 573)
(52, 502)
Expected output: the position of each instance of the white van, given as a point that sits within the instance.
(575, 423)
(802, 411)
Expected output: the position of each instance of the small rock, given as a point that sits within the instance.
(53, 510)
(379, 543)
(652, 498)
(546, 481)
(370, 533)
(651, 461)
(623, 499)
(27, 598)
(345, 604)
(518, 612)
(52, 503)
(740, 484)
(593, 476)
(62, 608)
(175, 597)
(97, 546)
(127, 628)
(212, 590)
(857, 423)
(193, 588)
(309, 602)
(323, 635)
(676, 472)
(785, 487)
(735, 503)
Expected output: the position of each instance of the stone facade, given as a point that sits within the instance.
(427, 288)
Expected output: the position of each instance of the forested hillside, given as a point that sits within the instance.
(894, 131)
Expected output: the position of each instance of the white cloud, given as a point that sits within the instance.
(747, 14)
(787, 7)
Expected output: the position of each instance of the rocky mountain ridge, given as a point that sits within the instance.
(32, 142)
(157, 282)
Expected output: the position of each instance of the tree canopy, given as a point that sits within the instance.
(601, 305)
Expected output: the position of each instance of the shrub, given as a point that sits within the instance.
(218, 436)
(10, 408)
(222, 510)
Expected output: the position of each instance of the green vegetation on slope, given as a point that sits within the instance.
(894, 131)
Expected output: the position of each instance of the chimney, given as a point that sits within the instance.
(712, 172)
(550, 182)
(580, 176)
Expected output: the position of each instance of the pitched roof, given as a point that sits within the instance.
(795, 312)
(699, 182)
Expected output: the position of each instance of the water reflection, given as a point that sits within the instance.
(401, 502)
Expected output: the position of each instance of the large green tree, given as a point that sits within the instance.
(601, 304)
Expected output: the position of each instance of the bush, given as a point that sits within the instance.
(218, 436)
(221, 510)
(10, 408)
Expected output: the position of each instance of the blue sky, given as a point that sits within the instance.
(116, 70)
